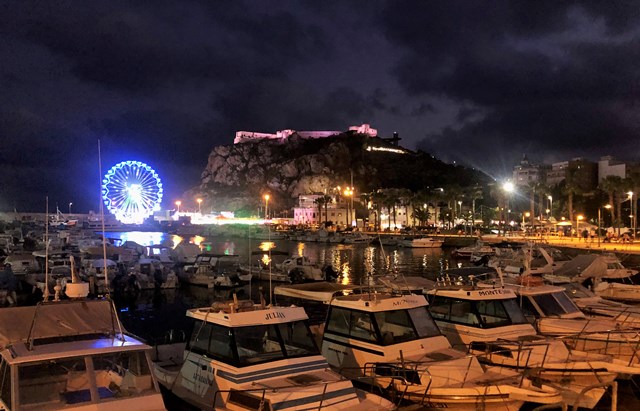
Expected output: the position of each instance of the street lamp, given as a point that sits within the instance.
(525, 215)
(607, 206)
(632, 222)
(578, 218)
(199, 205)
(348, 192)
(178, 204)
(70, 204)
(266, 206)
(508, 188)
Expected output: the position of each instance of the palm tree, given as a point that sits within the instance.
(611, 185)
(320, 201)
(327, 200)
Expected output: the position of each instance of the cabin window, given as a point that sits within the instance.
(565, 302)
(513, 311)
(452, 310)
(5, 380)
(405, 325)
(528, 309)
(54, 381)
(298, 340)
(492, 313)
(555, 304)
(355, 324)
(121, 375)
(257, 344)
(212, 340)
(200, 338)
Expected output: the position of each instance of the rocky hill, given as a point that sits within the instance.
(237, 176)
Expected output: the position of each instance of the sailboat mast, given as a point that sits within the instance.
(104, 239)
(45, 293)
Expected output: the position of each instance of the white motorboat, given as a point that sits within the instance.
(391, 342)
(477, 250)
(491, 324)
(215, 270)
(300, 268)
(420, 242)
(248, 356)
(73, 355)
(594, 306)
(356, 238)
(604, 273)
(554, 314)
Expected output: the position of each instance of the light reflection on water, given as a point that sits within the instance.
(351, 261)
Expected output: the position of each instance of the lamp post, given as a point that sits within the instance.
(550, 198)
(525, 215)
(578, 218)
(199, 201)
(178, 204)
(607, 206)
(348, 192)
(508, 189)
(70, 204)
(266, 206)
(632, 215)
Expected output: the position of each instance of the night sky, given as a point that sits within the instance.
(478, 82)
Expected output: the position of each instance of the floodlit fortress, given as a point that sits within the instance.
(283, 135)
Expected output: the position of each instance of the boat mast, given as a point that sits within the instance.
(104, 239)
(45, 293)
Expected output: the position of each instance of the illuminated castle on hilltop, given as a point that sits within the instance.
(283, 135)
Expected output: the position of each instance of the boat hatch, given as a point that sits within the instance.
(304, 379)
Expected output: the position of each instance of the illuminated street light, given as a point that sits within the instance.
(70, 204)
(266, 206)
(348, 192)
(199, 205)
(579, 217)
(178, 204)
(607, 206)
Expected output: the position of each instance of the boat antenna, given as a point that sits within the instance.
(104, 239)
(45, 293)
(270, 288)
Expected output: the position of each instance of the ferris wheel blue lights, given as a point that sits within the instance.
(132, 191)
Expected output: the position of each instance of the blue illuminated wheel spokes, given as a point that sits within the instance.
(132, 190)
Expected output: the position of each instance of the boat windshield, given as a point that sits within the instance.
(242, 346)
(577, 291)
(80, 381)
(478, 314)
(385, 327)
(555, 304)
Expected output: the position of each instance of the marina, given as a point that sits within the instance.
(158, 315)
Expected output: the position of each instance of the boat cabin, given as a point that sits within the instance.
(70, 355)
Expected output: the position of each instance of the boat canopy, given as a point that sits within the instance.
(57, 320)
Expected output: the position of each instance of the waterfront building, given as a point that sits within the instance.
(283, 135)
(527, 173)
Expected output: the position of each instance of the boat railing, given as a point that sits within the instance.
(619, 343)
(585, 390)
(405, 372)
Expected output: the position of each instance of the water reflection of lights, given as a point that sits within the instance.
(265, 259)
(345, 271)
(301, 249)
(369, 260)
(267, 245)
(197, 240)
(142, 237)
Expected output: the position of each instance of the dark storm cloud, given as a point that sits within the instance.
(165, 81)
(135, 47)
(550, 76)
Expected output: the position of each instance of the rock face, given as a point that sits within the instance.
(237, 176)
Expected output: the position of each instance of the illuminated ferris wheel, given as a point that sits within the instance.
(132, 190)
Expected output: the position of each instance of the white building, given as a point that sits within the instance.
(608, 166)
(282, 135)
